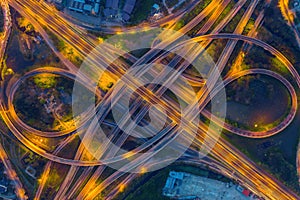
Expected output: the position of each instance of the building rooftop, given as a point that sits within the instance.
(246, 192)
(114, 4)
(156, 6)
(87, 7)
(184, 185)
(129, 5)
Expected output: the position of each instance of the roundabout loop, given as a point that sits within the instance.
(54, 158)
(259, 134)
(18, 122)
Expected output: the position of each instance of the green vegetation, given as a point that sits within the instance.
(24, 23)
(152, 189)
(31, 158)
(279, 65)
(106, 81)
(171, 3)
(100, 35)
(277, 33)
(37, 99)
(61, 45)
(215, 49)
(276, 155)
(69, 52)
(59, 171)
(231, 26)
(179, 24)
(249, 26)
(121, 3)
(54, 180)
(190, 15)
(45, 80)
(142, 10)
(15, 152)
(5, 71)
(280, 167)
(254, 96)
(40, 54)
(223, 14)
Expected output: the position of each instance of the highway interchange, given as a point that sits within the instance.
(232, 159)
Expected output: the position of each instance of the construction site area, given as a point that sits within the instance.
(181, 185)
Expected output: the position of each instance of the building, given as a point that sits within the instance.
(127, 9)
(111, 8)
(184, 186)
(87, 7)
(114, 4)
(77, 5)
(91, 7)
(156, 7)
(175, 178)
(155, 11)
(129, 5)
(244, 191)
(97, 7)
(55, 1)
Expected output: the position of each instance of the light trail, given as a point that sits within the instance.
(12, 175)
(258, 134)
(291, 69)
(208, 25)
(12, 88)
(289, 16)
(108, 182)
(44, 177)
(7, 29)
(265, 46)
(283, 58)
